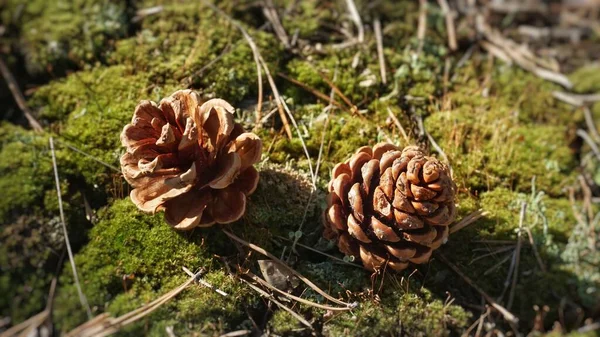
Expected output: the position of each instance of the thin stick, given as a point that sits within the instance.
(203, 282)
(581, 133)
(398, 124)
(422, 25)
(356, 18)
(535, 251)
(104, 325)
(237, 333)
(589, 121)
(469, 219)
(73, 148)
(379, 38)
(82, 298)
(511, 295)
(327, 111)
(508, 316)
(313, 91)
(295, 298)
(576, 100)
(270, 13)
(279, 304)
(18, 96)
(288, 268)
(449, 24)
(501, 262)
(346, 100)
(322, 253)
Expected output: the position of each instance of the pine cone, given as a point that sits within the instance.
(387, 206)
(190, 160)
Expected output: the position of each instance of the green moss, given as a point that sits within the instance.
(58, 35)
(492, 142)
(132, 259)
(283, 323)
(586, 79)
(411, 312)
(30, 231)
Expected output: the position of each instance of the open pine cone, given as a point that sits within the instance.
(388, 206)
(190, 160)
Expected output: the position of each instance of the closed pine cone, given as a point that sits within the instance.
(388, 206)
(190, 160)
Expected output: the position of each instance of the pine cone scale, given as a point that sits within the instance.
(388, 206)
(190, 160)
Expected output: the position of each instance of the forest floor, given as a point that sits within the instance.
(506, 93)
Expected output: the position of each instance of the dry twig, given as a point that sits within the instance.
(82, 298)
(18, 96)
(288, 268)
(357, 20)
(379, 38)
(449, 24)
(469, 219)
(104, 325)
(515, 274)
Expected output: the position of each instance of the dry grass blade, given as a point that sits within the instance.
(469, 219)
(18, 96)
(353, 108)
(522, 56)
(237, 333)
(27, 326)
(398, 124)
(270, 13)
(203, 282)
(591, 125)
(511, 295)
(357, 20)
(313, 91)
(104, 325)
(508, 316)
(73, 148)
(279, 304)
(535, 251)
(574, 99)
(422, 25)
(281, 105)
(259, 63)
(140, 14)
(322, 253)
(590, 142)
(82, 298)
(449, 24)
(379, 38)
(295, 298)
(288, 268)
